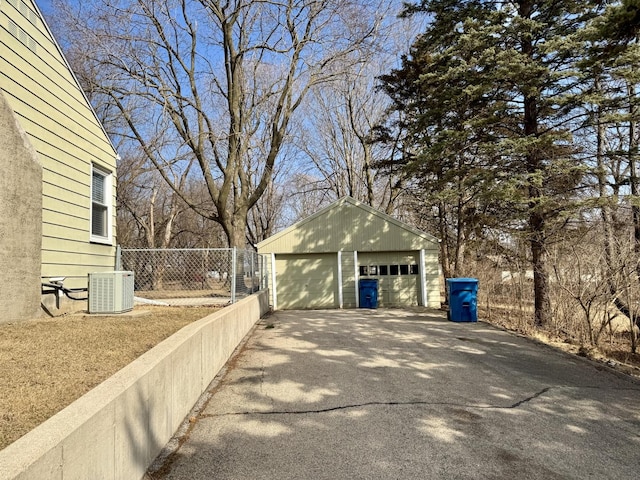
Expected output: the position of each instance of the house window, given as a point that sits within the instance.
(413, 269)
(404, 269)
(364, 271)
(100, 206)
(393, 269)
(383, 269)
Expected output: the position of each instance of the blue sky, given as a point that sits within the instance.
(44, 6)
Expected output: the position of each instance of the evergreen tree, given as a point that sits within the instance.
(496, 92)
(447, 128)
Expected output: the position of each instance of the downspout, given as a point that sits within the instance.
(118, 263)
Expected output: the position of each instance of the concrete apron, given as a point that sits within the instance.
(404, 394)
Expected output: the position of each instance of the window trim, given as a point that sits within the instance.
(108, 203)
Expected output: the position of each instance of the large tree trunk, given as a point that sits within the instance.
(534, 165)
(633, 173)
(445, 257)
(235, 227)
(616, 273)
(215, 83)
(541, 295)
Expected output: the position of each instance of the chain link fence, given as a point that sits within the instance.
(193, 276)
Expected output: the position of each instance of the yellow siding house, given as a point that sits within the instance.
(322, 261)
(48, 124)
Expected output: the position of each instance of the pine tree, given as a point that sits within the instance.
(496, 89)
(447, 129)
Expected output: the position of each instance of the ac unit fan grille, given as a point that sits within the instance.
(111, 292)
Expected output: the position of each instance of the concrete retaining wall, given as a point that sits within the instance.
(117, 429)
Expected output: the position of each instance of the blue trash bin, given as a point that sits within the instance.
(463, 299)
(368, 292)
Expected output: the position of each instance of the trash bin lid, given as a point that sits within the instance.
(463, 280)
(457, 284)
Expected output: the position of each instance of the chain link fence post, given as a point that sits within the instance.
(234, 277)
(253, 274)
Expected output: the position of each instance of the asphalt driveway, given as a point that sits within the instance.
(400, 394)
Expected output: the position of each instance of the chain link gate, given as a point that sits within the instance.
(194, 276)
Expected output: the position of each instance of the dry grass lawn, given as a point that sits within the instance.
(615, 352)
(48, 363)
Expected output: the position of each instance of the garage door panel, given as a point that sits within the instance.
(306, 281)
(395, 290)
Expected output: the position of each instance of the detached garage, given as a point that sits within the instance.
(318, 262)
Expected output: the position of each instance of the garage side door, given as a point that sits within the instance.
(306, 281)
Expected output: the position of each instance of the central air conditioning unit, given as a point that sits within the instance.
(111, 292)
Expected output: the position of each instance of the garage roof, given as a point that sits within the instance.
(348, 225)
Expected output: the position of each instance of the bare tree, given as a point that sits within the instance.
(267, 216)
(580, 278)
(614, 121)
(147, 207)
(339, 135)
(337, 140)
(215, 83)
